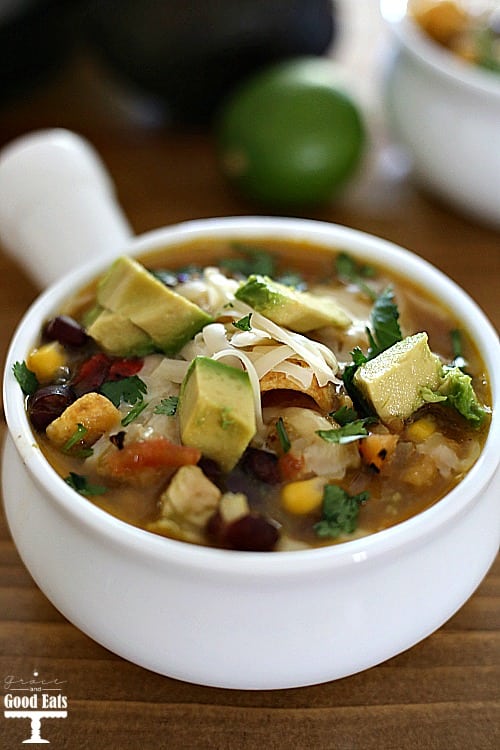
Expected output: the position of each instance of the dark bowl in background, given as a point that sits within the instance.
(191, 54)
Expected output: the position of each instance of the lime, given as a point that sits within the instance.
(291, 134)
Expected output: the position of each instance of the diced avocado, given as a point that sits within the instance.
(298, 311)
(216, 411)
(392, 382)
(118, 336)
(168, 318)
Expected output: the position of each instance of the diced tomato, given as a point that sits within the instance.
(91, 374)
(100, 367)
(290, 466)
(125, 368)
(156, 453)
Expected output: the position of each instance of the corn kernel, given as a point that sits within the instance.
(421, 429)
(303, 496)
(46, 360)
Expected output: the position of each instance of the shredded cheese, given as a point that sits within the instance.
(266, 347)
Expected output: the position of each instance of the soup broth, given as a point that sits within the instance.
(277, 422)
(468, 29)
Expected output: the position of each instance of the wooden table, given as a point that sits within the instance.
(443, 694)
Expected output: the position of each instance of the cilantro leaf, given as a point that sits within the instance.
(179, 276)
(167, 406)
(349, 270)
(82, 485)
(76, 438)
(344, 415)
(358, 357)
(251, 261)
(134, 412)
(347, 433)
(25, 377)
(339, 512)
(169, 278)
(361, 402)
(226, 418)
(456, 345)
(293, 279)
(129, 389)
(244, 324)
(385, 332)
(384, 319)
(283, 435)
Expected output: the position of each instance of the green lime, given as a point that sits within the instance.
(291, 135)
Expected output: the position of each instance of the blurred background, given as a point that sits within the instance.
(177, 59)
(149, 83)
(145, 67)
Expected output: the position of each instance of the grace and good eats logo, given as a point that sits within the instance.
(35, 699)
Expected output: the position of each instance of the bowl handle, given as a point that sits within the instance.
(57, 204)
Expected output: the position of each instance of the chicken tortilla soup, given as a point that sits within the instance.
(260, 395)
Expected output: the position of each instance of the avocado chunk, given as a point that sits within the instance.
(392, 382)
(288, 307)
(118, 336)
(169, 319)
(216, 411)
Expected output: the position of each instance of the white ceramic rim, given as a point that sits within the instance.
(251, 564)
(441, 60)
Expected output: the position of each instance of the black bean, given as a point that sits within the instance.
(253, 533)
(211, 469)
(262, 465)
(66, 331)
(48, 403)
(215, 528)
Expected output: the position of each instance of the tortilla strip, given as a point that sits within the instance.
(324, 396)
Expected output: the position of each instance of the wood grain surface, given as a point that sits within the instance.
(444, 693)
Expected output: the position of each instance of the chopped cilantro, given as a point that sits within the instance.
(344, 415)
(25, 377)
(283, 435)
(384, 333)
(129, 389)
(339, 512)
(169, 278)
(82, 485)
(179, 276)
(244, 324)
(167, 406)
(226, 420)
(76, 438)
(347, 433)
(293, 279)
(456, 345)
(251, 261)
(358, 357)
(134, 412)
(348, 270)
(384, 318)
